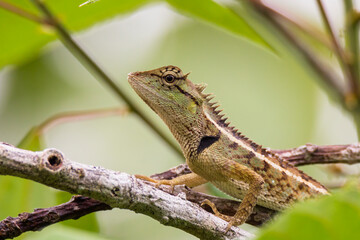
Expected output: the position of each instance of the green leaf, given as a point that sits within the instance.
(219, 15)
(32, 141)
(22, 39)
(77, 18)
(334, 217)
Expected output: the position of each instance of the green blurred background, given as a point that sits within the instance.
(270, 97)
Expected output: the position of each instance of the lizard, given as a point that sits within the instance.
(217, 152)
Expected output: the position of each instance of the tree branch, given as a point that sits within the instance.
(116, 189)
(303, 155)
(77, 207)
(313, 154)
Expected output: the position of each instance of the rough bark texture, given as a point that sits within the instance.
(313, 154)
(80, 205)
(77, 207)
(115, 189)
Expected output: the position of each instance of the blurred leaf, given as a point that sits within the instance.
(219, 15)
(333, 218)
(77, 18)
(32, 141)
(87, 223)
(14, 30)
(21, 39)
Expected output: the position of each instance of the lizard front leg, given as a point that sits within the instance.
(233, 170)
(190, 180)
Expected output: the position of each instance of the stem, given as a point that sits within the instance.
(22, 13)
(352, 41)
(90, 64)
(77, 115)
(306, 28)
(343, 60)
(352, 37)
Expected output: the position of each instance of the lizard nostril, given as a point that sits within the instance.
(134, 74)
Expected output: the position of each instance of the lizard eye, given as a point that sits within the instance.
(169, 78)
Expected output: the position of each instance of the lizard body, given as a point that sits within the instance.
(216, 152)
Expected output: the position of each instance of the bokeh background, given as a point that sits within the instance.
(271, 97)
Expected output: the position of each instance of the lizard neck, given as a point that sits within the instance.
(191, 131)
(187, 133)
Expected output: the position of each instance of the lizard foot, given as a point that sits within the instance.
(232, 220)
(216, 212)
(238, 219)
(157, 182)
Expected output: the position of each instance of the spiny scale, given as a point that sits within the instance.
(222, 119)
(257, 147)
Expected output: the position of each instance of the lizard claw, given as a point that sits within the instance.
(165, 182)
(142, 177)
(212, 205)
(230, 224)
(157, 182)
(231, 220)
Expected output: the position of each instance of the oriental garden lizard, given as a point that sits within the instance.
(216, 152)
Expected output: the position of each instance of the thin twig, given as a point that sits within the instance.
(22, 13)
(342, 58)
(352, 37)
(77, 115)
(93, 67)
(310, 31)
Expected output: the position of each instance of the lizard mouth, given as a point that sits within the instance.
(136, 82)
(143, 89)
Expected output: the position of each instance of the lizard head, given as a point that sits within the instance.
(169, 92)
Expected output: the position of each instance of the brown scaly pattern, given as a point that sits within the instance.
(223, 122)
(217, 152)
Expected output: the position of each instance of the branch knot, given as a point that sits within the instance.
(52, 159)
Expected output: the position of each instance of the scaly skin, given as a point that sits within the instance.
(217, 153)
